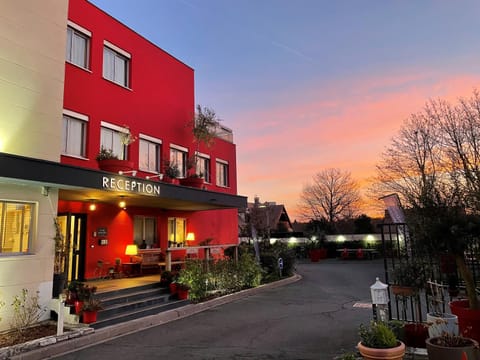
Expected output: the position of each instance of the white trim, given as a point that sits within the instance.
(178, 147)
(75, 115)
(113, 127)
(202, 155)
(150, 138)
(117, 49)
(222, 161)
(79, 28)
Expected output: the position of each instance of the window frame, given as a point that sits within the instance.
(177, 151)
(32, 226)
(205, 170)
(222, 178)
(174, 237)
(118, 54)
(122, 150)
(150, 141)
(72, 116)
(77, 31)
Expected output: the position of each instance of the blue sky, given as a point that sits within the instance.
(311, 84)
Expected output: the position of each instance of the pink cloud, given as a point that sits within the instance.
(345, 124)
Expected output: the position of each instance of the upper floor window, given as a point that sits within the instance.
(16, 227)
(150, 150)
(74, 133)
(178, 156)
(78, 44)
(110, 139)
(222, 173)
(116, 63)
(203, 167)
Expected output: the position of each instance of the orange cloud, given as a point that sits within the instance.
(346, 125)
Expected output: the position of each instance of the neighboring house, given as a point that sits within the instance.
(268, 221)
(73, 79)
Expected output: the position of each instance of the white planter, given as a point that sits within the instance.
(440, 323)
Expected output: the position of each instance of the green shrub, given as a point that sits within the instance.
(377, 335)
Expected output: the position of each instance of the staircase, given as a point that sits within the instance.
(133, 303)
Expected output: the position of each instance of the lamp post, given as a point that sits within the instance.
(379, 293)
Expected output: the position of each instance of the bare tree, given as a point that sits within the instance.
(333, 195)
(433, 164)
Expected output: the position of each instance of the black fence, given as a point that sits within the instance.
(398, 248)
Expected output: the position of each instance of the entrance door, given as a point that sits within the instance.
(74, 228)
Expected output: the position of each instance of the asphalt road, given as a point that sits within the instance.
(313, 318)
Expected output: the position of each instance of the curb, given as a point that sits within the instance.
(92, 337)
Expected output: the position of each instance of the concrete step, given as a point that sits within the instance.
(132, 303)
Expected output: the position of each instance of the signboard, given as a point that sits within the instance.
(102, 231)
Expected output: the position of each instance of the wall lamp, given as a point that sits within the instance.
(160, 177)
(92, 206)
(133, 172)
(122, 203)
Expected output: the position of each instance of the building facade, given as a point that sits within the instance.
(75, 81)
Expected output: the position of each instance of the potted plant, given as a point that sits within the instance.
(60, 257)
(204, 127)
(84, 293)
(108, 160)
(90, 310)
(449, 230)
(452, 347)
(170, 171)
(408, 277)
(182, 291)
(378, 341)
(438, 321)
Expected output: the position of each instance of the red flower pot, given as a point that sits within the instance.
(182, 294)
(89, 317)
(196, 182)
(115, 165)
(173, 288)
(78, 306)
(468, 319)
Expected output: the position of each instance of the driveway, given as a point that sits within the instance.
(314, 318)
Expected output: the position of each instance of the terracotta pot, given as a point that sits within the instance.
(468, 319)
(438, 352)
(395, 353)
(89, 317)
(115, 165)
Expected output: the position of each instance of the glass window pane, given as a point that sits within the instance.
(108, 63)
(15, 227)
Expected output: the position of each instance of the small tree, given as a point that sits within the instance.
(204, 129)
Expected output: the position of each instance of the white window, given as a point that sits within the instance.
(78, 44)
(203, 167)
(110, 139)
(222, 173)
(116, 63)
(178, 156)
(74, 134)
(176, 231)
(16, 227)
(145, 228)
(150, 150)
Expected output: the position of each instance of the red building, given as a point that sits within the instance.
(117, 81)
(117, 87)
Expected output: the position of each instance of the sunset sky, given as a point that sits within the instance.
(310, 84)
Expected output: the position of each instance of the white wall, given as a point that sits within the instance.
(32, 67)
